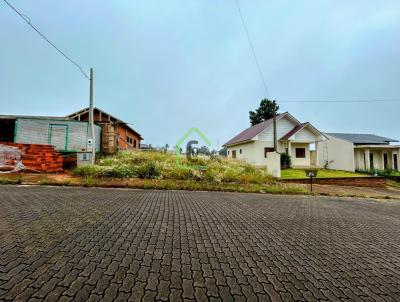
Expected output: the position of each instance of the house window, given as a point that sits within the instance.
(365, 162)
(129, 140)
(395, 163)
(134, 143)
(266, 150)
(371, 161)
(228, 152)
(300, 152)
(240, 151)
(385, 161)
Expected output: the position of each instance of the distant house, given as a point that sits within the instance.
(350, 152)
(146, 147)
(116, 134)
(294, 138)
(64, 134)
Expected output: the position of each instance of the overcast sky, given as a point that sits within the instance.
(166, 66)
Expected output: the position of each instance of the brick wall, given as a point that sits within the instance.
(344, 181)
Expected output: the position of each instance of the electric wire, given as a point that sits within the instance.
(341, 101)
(252, 49)
(28, 21)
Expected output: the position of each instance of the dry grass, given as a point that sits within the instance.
(159, 165)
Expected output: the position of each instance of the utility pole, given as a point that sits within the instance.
(91, 118)
(274, 125)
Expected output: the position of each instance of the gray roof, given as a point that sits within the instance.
(356, 138)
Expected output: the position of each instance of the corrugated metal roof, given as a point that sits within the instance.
(14, 117)
(357, 138)
(252, 131)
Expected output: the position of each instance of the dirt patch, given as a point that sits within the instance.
(371, 192)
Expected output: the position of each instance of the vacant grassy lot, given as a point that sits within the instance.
(160, 165)
(159, 170)
(300, 173)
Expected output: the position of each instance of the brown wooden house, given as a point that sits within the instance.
(115, 135)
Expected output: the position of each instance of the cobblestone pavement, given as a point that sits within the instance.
(62, 244)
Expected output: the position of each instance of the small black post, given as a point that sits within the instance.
(311, 177)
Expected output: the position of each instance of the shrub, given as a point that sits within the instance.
(93, 171)
(327, 164)
(179, 172)
(386, 172)
(11, 181)
(149, 170)
(123, 171)
(210, 175)
(89, 182)
(286, 161)
(231, 175)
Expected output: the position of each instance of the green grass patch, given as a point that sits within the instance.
(11, 181)
(322, 173)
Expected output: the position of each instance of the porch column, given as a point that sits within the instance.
(316, 154)
(367, 163)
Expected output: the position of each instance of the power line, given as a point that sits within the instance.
(28, 21)
(296, 101)
(252, 49)
(341, 101)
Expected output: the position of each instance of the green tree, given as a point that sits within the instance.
(204, 150)
(264, 112)
(223, 152)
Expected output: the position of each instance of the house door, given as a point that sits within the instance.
(233, 153)
(385, 161)
(371, 161)
(58, 136)
(395, 162)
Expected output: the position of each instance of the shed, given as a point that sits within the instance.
(64, 134)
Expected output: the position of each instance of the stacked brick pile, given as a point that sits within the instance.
(42, 158)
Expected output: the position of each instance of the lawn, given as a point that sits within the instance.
(322, 173)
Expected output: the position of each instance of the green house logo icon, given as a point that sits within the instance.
(180, 144)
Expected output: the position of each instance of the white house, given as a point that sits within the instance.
(350, 152)
(294, 138)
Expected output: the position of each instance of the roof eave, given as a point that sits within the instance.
(117, 119)
(238, 143)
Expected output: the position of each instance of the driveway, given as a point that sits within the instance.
(62, 244)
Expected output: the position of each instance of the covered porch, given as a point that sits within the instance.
(301, 153)
(370, 157)
(300, 144)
